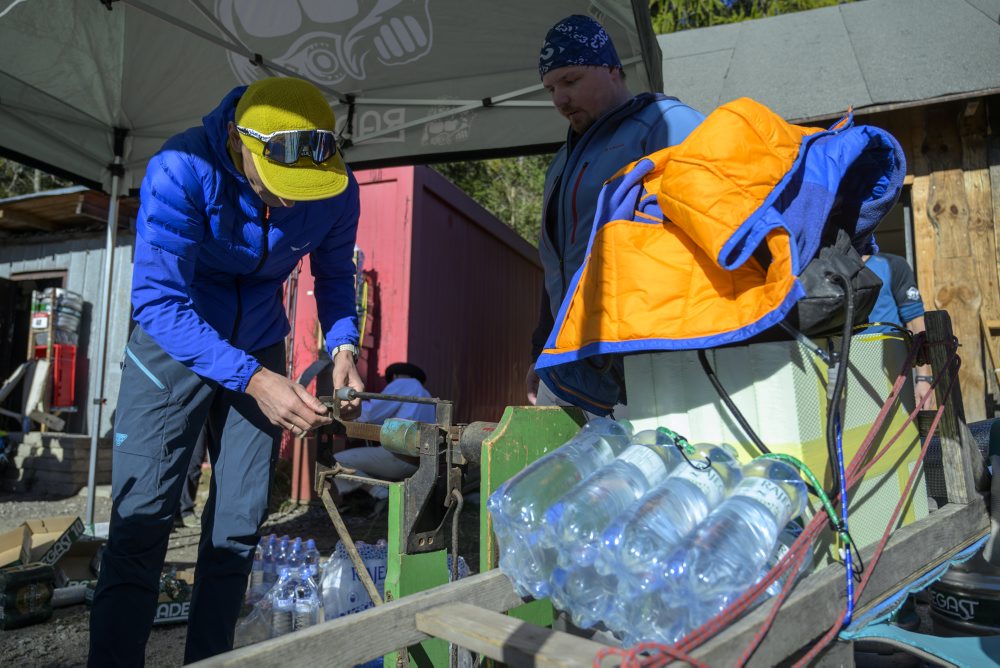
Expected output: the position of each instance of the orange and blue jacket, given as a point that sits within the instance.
(676, 258)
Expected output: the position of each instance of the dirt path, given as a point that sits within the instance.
(63, 640)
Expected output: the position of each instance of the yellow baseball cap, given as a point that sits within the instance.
(281, 103)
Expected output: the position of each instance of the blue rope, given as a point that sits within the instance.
(848, 560)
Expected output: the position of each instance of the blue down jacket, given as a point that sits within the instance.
(210, 258)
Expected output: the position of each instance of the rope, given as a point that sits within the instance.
(794, 559)
(835, 629)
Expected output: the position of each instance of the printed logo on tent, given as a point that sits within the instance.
(325, 41)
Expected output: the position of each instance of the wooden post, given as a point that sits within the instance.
(964, 469)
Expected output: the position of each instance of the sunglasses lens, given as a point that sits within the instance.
(288, 147)
(283, 148)
(324, 145)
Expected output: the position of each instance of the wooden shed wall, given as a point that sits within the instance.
(953, 164)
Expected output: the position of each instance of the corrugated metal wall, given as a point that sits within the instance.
(474, 290)
(83, 261)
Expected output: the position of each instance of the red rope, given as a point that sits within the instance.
(904, 498)
(793, 561)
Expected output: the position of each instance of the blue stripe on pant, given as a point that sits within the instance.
(162, 407)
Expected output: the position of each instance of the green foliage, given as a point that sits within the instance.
(674, 15)
(509, 188)
(17, 179)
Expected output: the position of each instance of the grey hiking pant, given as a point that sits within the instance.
(162, 406)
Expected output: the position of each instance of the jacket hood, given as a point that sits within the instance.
(216, 123)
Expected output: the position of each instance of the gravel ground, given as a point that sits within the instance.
(63, 640)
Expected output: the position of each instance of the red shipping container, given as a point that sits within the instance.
(63, 365)
(451, 289)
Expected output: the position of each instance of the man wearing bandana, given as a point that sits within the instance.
(608, 128)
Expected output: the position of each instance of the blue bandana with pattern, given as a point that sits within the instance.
(577, 40)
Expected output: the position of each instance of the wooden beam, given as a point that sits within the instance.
(924, 241)
(963, 464)
(372, 633)
(8, 215)
(507, 639)
(973, 130)
(957, 287)
(94, 205)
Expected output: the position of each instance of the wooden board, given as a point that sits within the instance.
(374, 632)
(507, 639)
(982, 237)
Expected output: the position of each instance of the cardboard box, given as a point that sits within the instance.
(77, 566)
(15, 548)
(51, 537)
(173, 607)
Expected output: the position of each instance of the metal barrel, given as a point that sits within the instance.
(966, 601)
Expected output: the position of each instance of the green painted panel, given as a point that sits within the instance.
(411, 573)
(523, 434)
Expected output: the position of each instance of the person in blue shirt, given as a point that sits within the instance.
(227, 210)
(404, 379)
(609, 127)
(899, 303)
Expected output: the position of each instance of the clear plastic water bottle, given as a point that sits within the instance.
(647, 530)
(307, 601)
(281, 555)
(296, 555)
(283, 604)
(270, 560)
(518, 506)
(786, 538)
(312, 558)
(574, 523)
(727, 552)
(637, 543)
(256, 587)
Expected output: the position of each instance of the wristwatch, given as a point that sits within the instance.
(345, 346)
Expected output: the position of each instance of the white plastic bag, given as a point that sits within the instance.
(342, 590)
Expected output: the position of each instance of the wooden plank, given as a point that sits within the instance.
(993, 164)
(374, 632)
(24, 219)
(12, 380)
(960, 458)
(838, 654)
(956, 280)
(819, 599)
(507, 639)
(924, 243)
(973, 130)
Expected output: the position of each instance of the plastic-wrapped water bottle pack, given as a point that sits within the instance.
(632, 533)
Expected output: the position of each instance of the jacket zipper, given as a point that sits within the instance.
(265, 229)
(263, 258)
(576, 188)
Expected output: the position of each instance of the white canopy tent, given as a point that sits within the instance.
(90, 89)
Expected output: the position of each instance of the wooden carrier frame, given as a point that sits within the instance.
(470, 612)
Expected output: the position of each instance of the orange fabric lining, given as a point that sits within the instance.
(645, 281)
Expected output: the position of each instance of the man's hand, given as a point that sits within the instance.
(287, 404)
(345, 374)
(531, 384)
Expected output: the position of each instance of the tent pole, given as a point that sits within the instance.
(117, 171)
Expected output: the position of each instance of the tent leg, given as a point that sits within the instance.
(98, 400)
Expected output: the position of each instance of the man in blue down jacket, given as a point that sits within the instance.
(608, 129)
(227, 211)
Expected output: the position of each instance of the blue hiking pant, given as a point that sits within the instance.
(162, 406)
